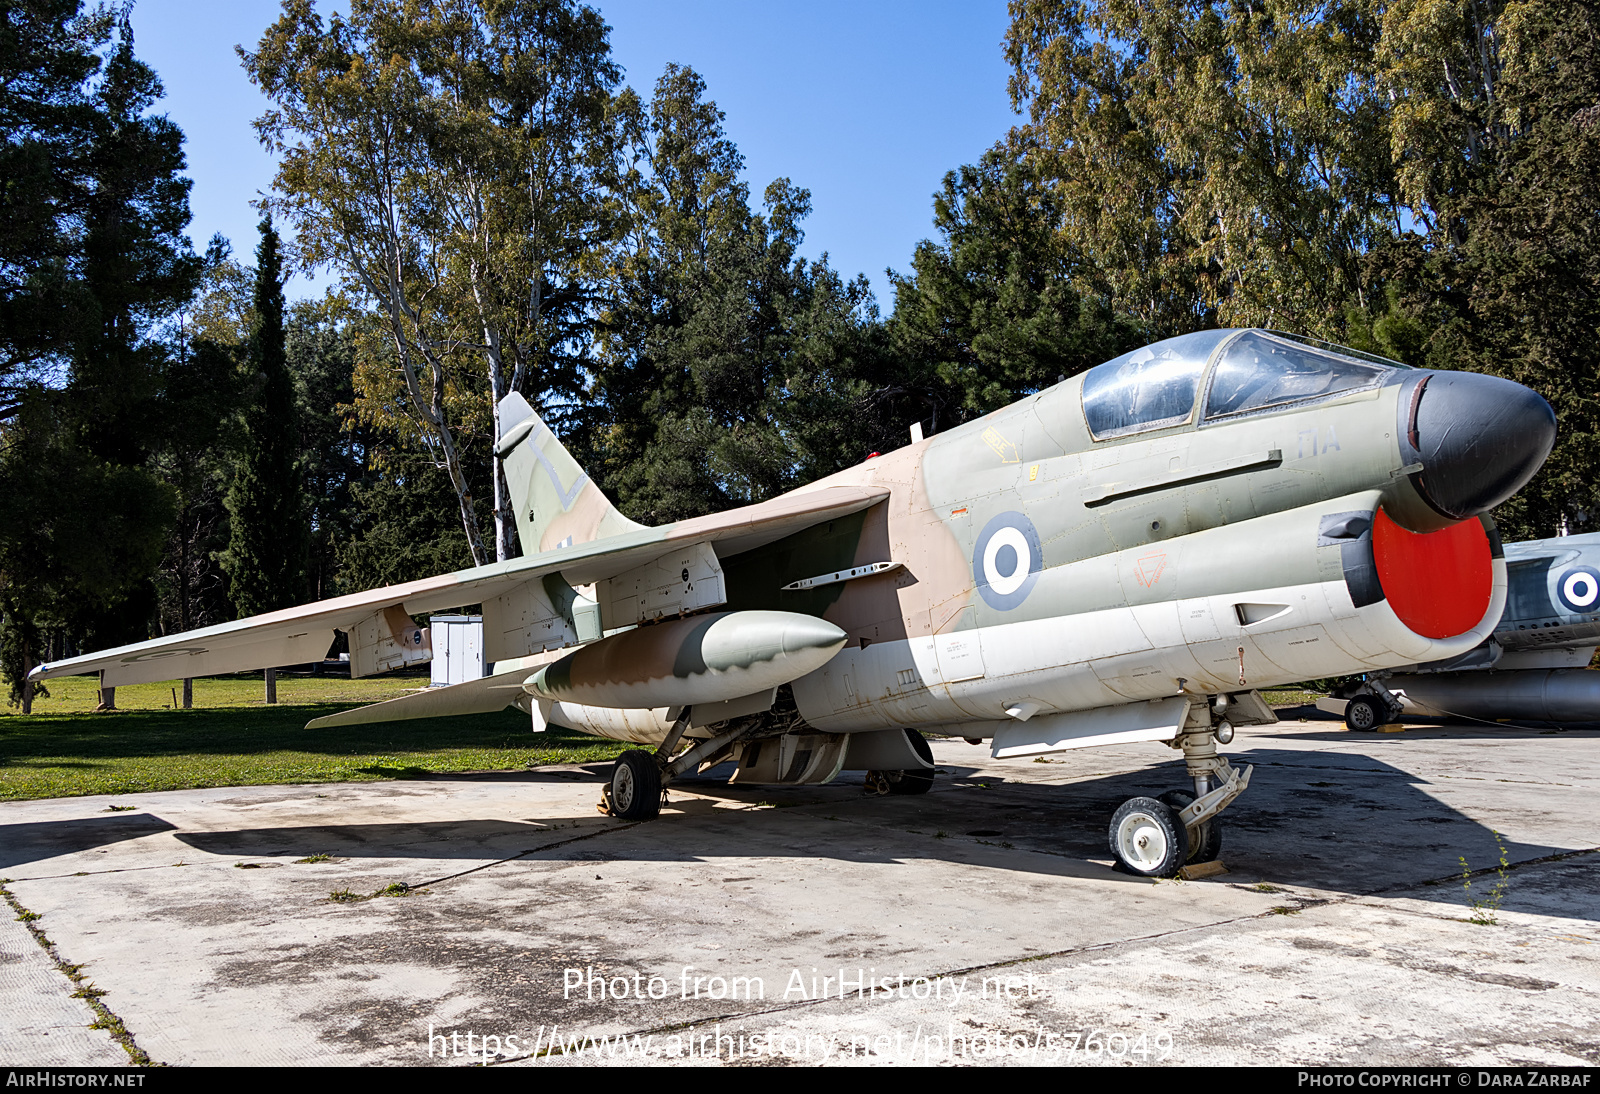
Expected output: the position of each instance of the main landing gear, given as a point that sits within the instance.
(1370, 708)
(905, 782)
(634, 791)
(639, 779)
(1157, 837)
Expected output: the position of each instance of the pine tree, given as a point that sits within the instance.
(93, 261)
(266, 556)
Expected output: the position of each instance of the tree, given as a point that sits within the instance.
(994, 311)
(49, 53)
(109, 268)
(1217, 163)
(726, 365)
(444, 157)
(336, 447)
(1498, 131)
(266, 556)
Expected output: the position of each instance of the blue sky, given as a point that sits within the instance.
(865, 104)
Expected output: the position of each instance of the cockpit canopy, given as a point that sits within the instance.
(1156, 387)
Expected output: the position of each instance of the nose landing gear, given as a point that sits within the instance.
(1157, 837)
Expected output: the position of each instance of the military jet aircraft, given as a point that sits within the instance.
(1126, 556)
(1534, 665)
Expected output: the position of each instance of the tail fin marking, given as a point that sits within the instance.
(550, 515)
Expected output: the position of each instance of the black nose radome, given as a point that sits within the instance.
(1479, 440)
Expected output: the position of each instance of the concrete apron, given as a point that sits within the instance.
(978, 923)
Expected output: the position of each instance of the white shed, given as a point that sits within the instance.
(457, 649)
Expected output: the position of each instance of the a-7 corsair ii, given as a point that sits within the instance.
(1126, 556)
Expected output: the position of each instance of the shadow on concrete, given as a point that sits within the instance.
(1426, 728)
(37, 840)
(1340, 822)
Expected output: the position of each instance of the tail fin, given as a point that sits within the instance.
(556, 503)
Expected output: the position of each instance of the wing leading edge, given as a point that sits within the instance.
(302, 634)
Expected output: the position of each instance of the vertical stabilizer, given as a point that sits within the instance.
(556, 503)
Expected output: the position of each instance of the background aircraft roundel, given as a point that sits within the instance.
(1579, 588)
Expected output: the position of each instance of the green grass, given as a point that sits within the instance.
(232, 738)
(1290, 697)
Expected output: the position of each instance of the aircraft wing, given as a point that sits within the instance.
(379, 623)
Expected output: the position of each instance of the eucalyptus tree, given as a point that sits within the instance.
(995, 307)
(728, 368)
(1219, 163)
(446, 158)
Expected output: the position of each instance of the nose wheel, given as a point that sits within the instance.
(1148, 839)
(1157, 837)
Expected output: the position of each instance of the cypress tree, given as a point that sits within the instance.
(268, 536)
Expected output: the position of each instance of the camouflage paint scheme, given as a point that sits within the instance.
(1027, 567)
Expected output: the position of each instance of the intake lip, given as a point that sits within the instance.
(1479, 438)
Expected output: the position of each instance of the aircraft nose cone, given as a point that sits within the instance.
(1481, 438)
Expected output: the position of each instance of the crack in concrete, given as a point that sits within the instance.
(1301, 903)
(105, 1017)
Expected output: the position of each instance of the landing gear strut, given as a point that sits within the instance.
(1156, 837)
(639, 779)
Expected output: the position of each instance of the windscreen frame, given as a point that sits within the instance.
(1385, 371)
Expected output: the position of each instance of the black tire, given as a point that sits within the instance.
(914, 782)
(1363, 714)
(1205, 844)
(636, 786)
(1147, 839)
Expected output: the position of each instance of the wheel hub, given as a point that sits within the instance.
(622, 787)
(1142, 840)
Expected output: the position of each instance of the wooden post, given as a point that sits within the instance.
(188, 693)
(272, 686)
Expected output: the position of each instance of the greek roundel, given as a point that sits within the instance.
(1006, 560)
(1579, 589)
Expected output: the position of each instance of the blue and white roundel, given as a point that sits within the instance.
(1006, 560)
(1579, 589)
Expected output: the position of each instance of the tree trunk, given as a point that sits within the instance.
(188, 693)
(429, 410)
(272, 686)
(27, 668)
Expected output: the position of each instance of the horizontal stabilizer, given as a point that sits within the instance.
(483, 696)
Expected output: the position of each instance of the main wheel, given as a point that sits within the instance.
(1207, 846)
(635, 786)
(1147, 838)
(1362, 714)
(914, 782)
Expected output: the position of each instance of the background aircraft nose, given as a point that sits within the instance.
(1481, 439)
